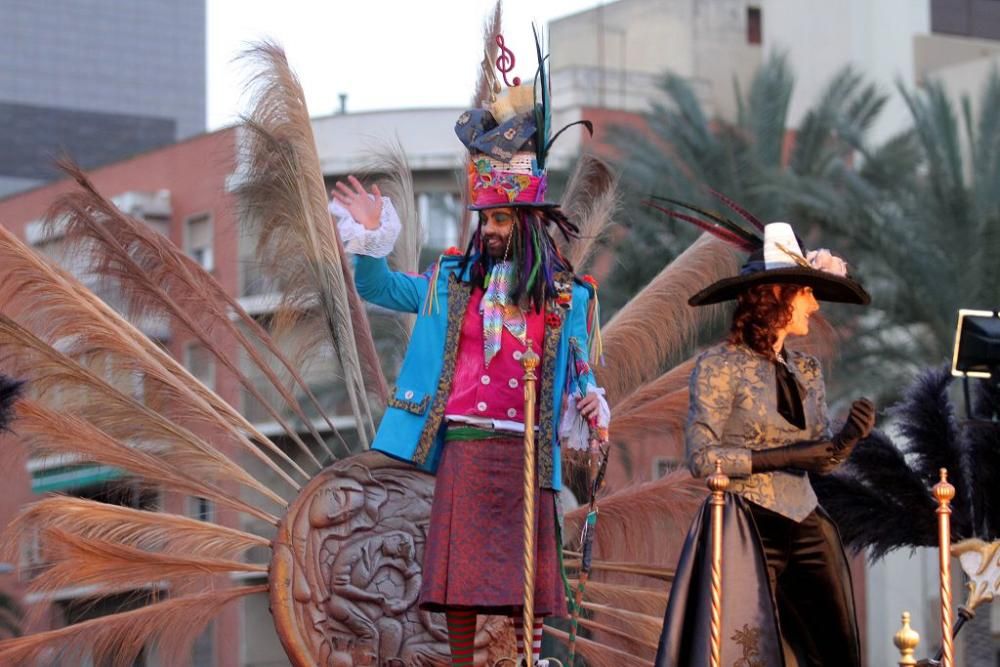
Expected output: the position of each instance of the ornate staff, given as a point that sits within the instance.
(944, 492)
(530, 362)
(587, 548)
(718, 482)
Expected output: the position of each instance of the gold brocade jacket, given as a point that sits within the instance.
(734, 411)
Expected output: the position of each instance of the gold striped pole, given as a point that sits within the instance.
(906, 640)
(718, 482)
(944, 492)
(530, 362)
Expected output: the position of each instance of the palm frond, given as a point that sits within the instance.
(769, 97)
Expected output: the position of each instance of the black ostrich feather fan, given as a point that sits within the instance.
(881, 498)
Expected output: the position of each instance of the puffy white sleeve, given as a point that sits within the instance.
(370, 242)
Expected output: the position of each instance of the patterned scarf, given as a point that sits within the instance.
(498, 312)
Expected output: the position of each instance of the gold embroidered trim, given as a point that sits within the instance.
(458, 301)
(545, 435)
(415, 407)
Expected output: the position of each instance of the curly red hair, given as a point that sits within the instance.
(761, 311)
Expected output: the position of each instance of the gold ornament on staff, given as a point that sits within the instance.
(906, 640)
(718, 482)
(530, 362)
(944, 492)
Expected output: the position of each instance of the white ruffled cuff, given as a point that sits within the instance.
(371, 242)
(575, 432)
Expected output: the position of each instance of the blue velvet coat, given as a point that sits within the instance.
(412, 428)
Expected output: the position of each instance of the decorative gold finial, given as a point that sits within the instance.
(530, 360)
(906, 640)
(943, 490)
(718, 481)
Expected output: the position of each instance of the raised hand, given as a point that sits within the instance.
(364, 207)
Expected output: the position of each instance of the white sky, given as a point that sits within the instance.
(382, 53)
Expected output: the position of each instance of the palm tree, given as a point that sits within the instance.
(918, 214)
(682, 151)
(922, 216)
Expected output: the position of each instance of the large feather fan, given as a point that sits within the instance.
(881, 498)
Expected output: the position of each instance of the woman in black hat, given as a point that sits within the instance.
(759, 408)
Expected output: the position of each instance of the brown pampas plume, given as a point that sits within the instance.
(52, 433)
(598, 654)
(637, 633)
(139, 529)
(484, 92)
(387, 165)
(56, 307)
(648, 601)
(77, 390)
(641, 524)
(636, 540)
(116, 640)
(658, 322)
(72, 560)
(590, 201)
(157, 279)
(657, 407)
(283, 197)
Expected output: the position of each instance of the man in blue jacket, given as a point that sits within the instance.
(457, 407)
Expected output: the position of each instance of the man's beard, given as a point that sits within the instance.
(496, 245)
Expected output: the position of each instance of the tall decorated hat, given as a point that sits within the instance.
(776, 256)
(509, 137)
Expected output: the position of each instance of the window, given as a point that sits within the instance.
(201, 509)
(754, 25)
(440, 216)
(200, 362)
(198, 240)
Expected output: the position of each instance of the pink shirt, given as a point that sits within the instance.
(496, 392)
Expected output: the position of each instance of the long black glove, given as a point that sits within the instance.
(860, 422)
(811, 456)
(822, 456)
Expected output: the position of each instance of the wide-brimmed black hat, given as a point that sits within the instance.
(780, 260)
(776, 256)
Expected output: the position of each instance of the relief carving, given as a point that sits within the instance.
(346, 572)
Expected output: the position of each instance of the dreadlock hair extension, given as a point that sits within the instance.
(761, 311)
(531, 250)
